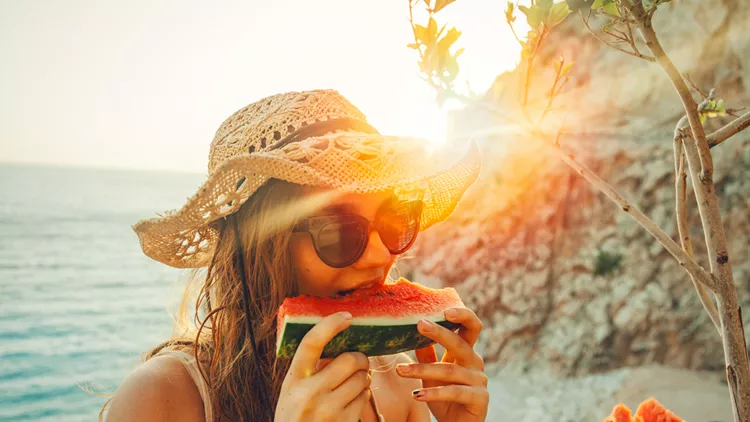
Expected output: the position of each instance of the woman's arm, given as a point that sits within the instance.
(159, 390)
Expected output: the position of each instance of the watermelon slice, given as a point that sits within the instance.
(384, 318)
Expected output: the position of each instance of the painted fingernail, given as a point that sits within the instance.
(403, 368)
(418, 394)
(426, 325)
(450, 313)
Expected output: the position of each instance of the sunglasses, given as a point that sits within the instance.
(341, 239)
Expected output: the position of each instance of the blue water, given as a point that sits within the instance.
(79, 302)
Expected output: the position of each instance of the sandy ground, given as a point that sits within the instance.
(694, 396)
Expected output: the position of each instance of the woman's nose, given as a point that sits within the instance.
(376, 254)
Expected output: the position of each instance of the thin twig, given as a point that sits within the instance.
(513, 30)
(552, 94)
(694, 86)
(734, 127)
(532, 56)
(639, 55)
(616, 33)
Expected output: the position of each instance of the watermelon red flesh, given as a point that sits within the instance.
(384, 318)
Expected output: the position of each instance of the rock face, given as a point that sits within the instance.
(565, 281)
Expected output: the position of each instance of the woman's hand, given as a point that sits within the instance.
(455, 389)
(338, 392)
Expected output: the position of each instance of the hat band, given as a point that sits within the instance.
(321, 128)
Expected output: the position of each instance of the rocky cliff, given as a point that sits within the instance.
(563, 280)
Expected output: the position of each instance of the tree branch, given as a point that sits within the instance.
(736, 126)
(643, 18)
(730, 312)
(673, 248)
(682, 228)
(700, 163)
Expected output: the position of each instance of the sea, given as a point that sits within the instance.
(79, 301)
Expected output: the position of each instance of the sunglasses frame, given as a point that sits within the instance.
(314, 225)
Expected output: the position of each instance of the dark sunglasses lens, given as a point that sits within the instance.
(340, 243)
(398, 226)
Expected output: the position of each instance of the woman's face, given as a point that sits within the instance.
(314, 277)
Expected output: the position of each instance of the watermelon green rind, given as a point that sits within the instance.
(372, 340)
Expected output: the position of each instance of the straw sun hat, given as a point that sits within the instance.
(315, 138)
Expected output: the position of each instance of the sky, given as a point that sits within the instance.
(145, 84)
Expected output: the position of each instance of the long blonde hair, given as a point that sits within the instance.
(217, 335)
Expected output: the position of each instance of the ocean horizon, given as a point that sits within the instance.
(79, 301)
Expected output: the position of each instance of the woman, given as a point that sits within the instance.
(277, 168)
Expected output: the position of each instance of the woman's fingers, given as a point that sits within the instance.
(470, 328)
(453, 343)
(311, 347)
(348, 391)
(354, 409)
(446, 372)
(471, 325)
(343, 367)
(472, 396)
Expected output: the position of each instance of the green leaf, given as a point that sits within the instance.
(440, 4)
(509, 13)
(720, 108)
(558, 63)
(431, 30)
(421, 33)
(441, 31)
(598, 4)
(611, 8)
(432, 57)
(451, 66)
(544, 4)
(558, 13)
(566, 69)
(445, 44)
(533, 15)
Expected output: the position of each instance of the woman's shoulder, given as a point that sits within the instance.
(160, 389)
